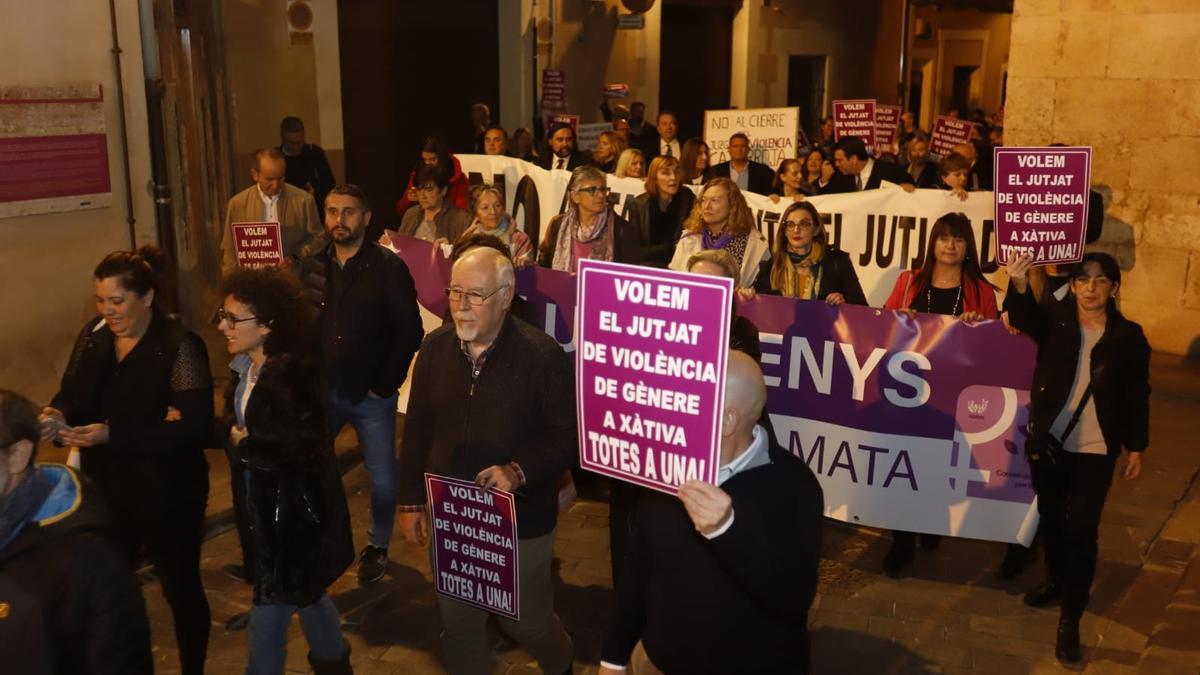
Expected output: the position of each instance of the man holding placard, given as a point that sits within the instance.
(495, 408)
(721, 576)
(272, 200)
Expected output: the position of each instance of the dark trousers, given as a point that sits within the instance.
(622, 505)
(160, 510)
(1070, 501)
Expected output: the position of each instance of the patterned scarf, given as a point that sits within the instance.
(802, 276)
(599, 236)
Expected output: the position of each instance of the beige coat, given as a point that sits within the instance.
(299, 223)
(757, 250)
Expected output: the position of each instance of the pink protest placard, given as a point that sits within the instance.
(616, 91)
(947, 133)
(257, 244)
(1041, 203)
(474, 544)
(887, 126)
(855, 118)
(650, 372)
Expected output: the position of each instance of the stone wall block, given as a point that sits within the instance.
(1170, 164)
(1156, 46)
(1156, 276)
(1083, 46)
(1191, 289)
(1170, 329)
(1034, 45)
(1096, 105)
(1173, 219)
(1030, 105)
(1182, 108)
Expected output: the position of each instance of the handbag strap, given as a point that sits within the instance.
(1087, 394)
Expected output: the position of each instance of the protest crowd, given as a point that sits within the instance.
(326, 337)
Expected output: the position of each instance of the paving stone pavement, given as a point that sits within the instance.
(949, 616)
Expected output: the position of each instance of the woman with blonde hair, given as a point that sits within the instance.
(631, 164)
(608, 150)
(659, 212)
(721, 219)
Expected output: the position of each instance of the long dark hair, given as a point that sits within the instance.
(437, 145)
(953, 225)
(687, 159)
(275, 297)
(136, 271)
(804, 164)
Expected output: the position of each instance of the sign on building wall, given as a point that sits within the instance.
(773, 133)
(53, 150)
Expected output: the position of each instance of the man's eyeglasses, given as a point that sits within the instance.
(593, 190)
(800, 226)
(471, 298)
(222, 316)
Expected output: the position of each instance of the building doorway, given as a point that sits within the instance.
(696, 62)
(806, 90)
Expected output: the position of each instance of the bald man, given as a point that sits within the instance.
(493, 401)
(720, 578)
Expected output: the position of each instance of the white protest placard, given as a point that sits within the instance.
(773, 133)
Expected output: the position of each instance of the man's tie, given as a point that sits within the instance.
(561, 163)
(858, 182)
(668, 152)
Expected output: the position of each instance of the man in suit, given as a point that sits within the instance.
(857, 171)
(562, 155)
(749, 175)
(272, 200)
(663, 139)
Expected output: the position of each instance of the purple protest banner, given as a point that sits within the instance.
(1042, 203)
(855, 118)
(650, 373)
(474, 545)
(849, 388)
(947, 133)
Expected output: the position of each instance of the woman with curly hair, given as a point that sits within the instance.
(292, 507)
(722, 219)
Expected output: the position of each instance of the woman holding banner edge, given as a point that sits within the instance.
(951, 283)
(1090, 401)
(805, 266)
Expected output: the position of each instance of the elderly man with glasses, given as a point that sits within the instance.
(493, 402)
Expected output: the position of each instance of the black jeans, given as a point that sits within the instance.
(159, 508)
(1070, 501)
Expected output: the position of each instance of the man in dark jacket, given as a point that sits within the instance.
(857, 171)
(495, 406)
(369, 327)
(68, 601)
(562, 155)
(750, 176)
(307, 166)
(720, 578)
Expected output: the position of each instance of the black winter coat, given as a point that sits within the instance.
(295, 506)
(837, 276)
(369, 326)
(1120, 369)
(659, 254)
(72, 606)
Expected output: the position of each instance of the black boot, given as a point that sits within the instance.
(339, 667)
(898, 558)
(1046, 595)
(1066, 647)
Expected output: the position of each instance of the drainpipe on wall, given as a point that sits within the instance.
(116, 52)
(902, 84)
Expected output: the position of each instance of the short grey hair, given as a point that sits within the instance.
(581, 175)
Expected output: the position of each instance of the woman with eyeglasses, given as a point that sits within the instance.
(950, 282)
(659, 212)
(805, 266)
(292, 505)
(722, 219)
(433, 218)
(487, 205)
(1091, 393)
(137, 401)
(590, 228)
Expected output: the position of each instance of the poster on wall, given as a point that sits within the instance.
(773, 132)
(1042, 197)
(53, 150)
(855, 118)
